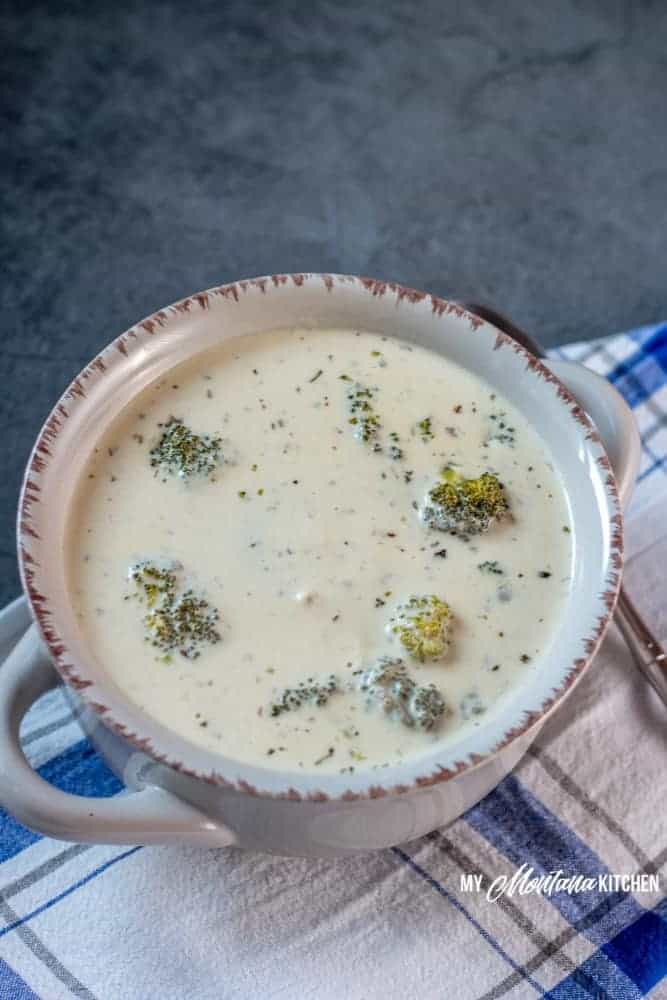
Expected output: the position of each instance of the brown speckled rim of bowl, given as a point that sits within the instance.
(28, 539)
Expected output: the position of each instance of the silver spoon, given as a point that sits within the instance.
(649, 655)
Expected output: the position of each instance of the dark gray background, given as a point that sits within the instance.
(514, 151)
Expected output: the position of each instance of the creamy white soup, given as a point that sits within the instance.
(325, 550)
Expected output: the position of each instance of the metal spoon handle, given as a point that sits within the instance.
(648, 654)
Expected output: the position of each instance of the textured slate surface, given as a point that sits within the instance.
(515, 152)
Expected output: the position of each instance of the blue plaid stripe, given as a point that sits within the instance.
(78, 770)
(610, 981)
(646, 335)
(525, 831)
(490, 940)
(640, 950)
(644, 372)
(656, 464)
(68, 891)
(638, 378)
(632, 953)
(629, 965)
(12, 986)
(641, 376)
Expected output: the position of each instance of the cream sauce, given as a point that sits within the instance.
(305, 540)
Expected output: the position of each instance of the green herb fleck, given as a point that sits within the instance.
(362, 414)
(425, 429)
(501, 432)
(493, 567)
(394, 451)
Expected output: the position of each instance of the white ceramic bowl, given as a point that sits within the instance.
(185, 792)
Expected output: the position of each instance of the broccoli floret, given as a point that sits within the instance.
(155, 582)
(388, 681)
(180, 452)
(464, 506)
(175, 620)
(423, 626)
(183, 624)
(426, 706)
(389, 685)
(307, 692)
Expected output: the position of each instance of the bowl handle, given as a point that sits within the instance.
(149, 816)
(611, 416)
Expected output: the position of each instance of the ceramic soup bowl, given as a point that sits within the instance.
(178, 791)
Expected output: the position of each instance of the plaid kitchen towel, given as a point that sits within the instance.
(455, 914)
